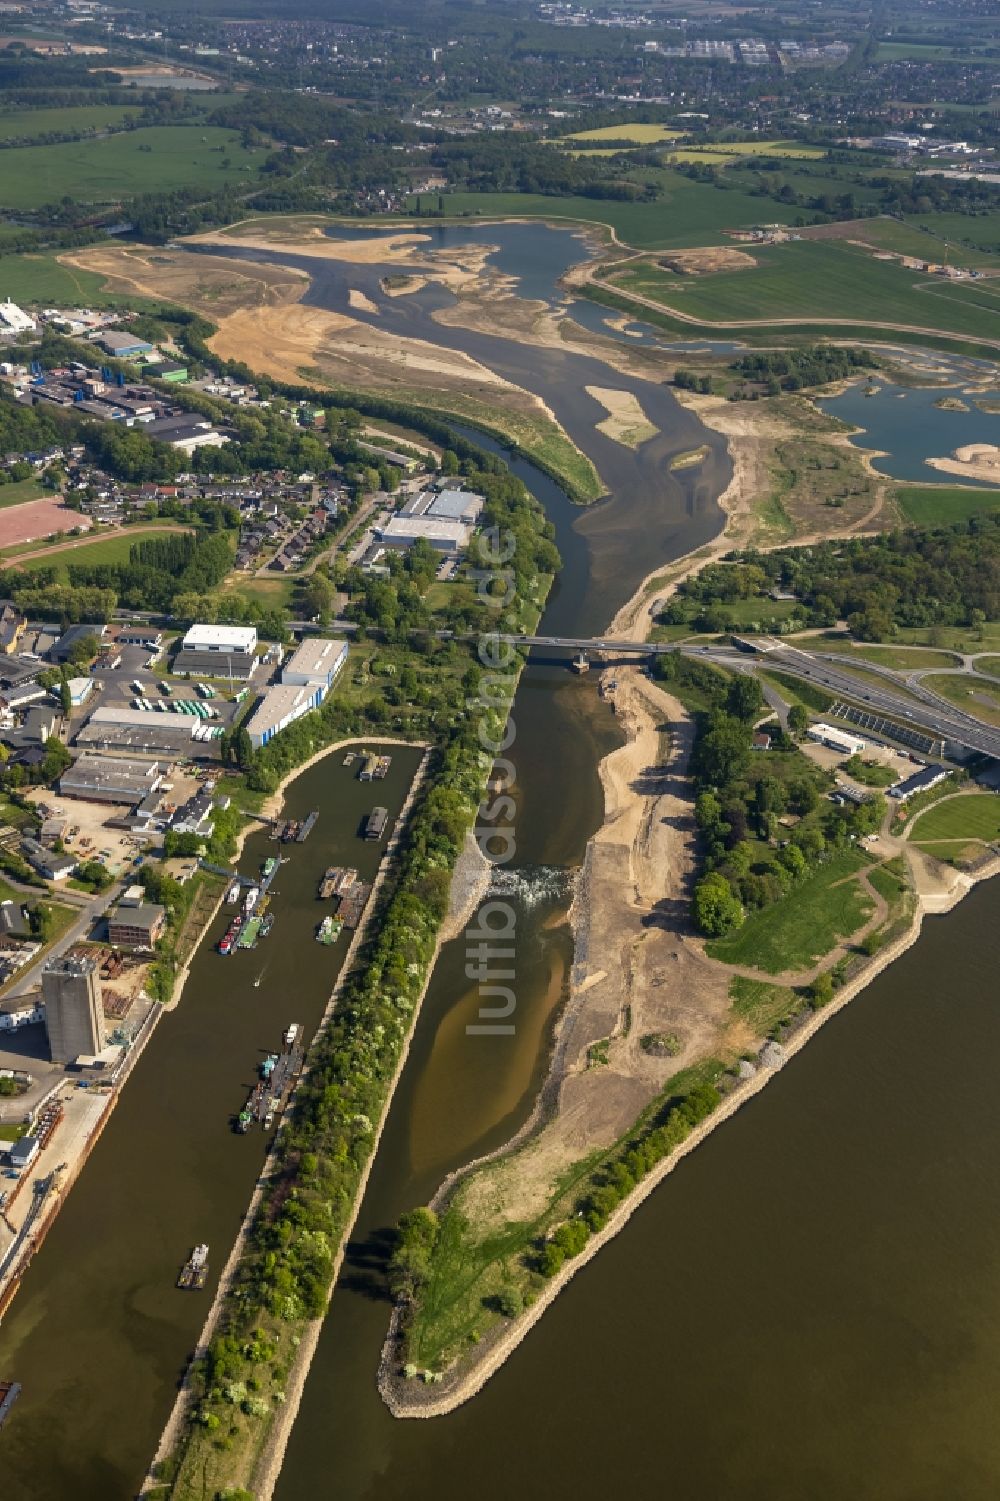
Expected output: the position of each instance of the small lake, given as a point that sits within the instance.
(905, 423)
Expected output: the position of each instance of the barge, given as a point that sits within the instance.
(194, 1272)
(376, 823)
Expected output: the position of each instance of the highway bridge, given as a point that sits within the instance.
(916, 707)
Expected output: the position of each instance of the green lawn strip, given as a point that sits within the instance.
(965, 638)
(815, 279)
(953, 851)
(798, 691)
(981, 230)
(974, 695)
(19, 491)
(13, 1133)
(883, 656)
(989, 665)
(764, 1007)
(974, 815)
(796, 932)
(156, 159)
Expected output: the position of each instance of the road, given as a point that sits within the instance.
(940, 720)
(89, 913)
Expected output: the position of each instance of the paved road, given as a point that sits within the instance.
(935, 715)
(93, 909)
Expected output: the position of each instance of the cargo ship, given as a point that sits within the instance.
(329, 929)
(194, 1272)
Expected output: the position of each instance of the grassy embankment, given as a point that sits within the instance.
(971, 694)
(533, 435)
(86, 549)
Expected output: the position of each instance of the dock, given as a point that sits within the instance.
(306, 827)
(9, 1393)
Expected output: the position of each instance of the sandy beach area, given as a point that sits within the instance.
(979, 461)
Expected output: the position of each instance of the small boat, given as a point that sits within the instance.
(194, 1272)
(270, 866)
(268, 1120)
(266, 925)
(256, 983)
(350, 758)
(252, 898)
(233, 894)
(291, 1032)
(267, 1067)
(243, 1120)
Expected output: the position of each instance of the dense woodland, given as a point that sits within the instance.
(932, 577)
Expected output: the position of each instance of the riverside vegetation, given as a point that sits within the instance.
(284, 1278)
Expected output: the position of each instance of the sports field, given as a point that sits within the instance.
(35, 520)
(819, 279)
(110, 168)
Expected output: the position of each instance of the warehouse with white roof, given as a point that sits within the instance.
(306, 679)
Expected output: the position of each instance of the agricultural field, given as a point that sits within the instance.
(972, 818)
(982, 230)
(732, 151)
(794, 934)
(642, 135)
(938, 505)
(688, 213)
(30, 123)
(156, 159)
(804, 280)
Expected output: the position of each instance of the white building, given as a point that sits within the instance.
(14, 320)
(20, 1011)
(316, 663)
(837, 740)
(236, 639)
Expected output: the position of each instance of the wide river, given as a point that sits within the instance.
(810, 1305)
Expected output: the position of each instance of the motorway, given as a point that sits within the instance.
(935, 716)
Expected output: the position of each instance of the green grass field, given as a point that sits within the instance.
(21, 490)
(761, 1005)
(990, 665)
(971, 694)
(30, 123)
(688, 213)
(39, 278)
(106, 549)
(118, 166)
(975, 815)
(982, 230)
(795, 933)
(927, 238)
(883, 656)
(953, 637)
(816, 279)
(723, 151)
(937, 505)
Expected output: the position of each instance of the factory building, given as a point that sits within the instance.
(107, 779)
(442, 533)
(316, 662)
(280, 707)
(224, 651)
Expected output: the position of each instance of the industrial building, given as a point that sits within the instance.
(14, 320)
(111, 779)
(280, 707)
(186, 432)
(17, 1011)
(444, 535)
(123, 346)
(445, 505)
(74, 1009)
(836, 740)
(122, 729)
(136, 927)
(146, 636)
(316, 662)
(224, 651)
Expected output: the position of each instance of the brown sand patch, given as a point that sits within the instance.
(980, 460)
(207, 283)
(626, 421)
(710, 258)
